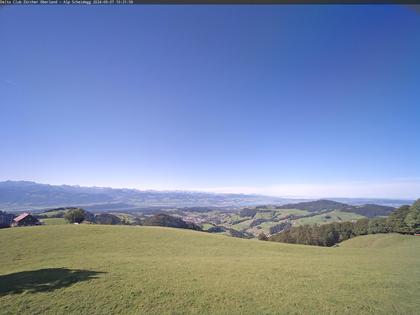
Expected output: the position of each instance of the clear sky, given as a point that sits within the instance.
(280, 100)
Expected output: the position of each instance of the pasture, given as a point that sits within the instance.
(332, 216)
(53, 221)
(91, 269)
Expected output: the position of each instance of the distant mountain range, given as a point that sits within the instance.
(26, 195)
(21, 195)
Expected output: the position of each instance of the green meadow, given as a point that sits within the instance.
(53, 221)
(91, 269)
(333, 216)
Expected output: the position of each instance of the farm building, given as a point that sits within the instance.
(5, 219)
(25, 219)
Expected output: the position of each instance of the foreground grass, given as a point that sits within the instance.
(88, 269)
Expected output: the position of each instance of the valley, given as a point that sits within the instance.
(248, 222)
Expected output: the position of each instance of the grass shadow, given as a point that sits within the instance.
(43, 280)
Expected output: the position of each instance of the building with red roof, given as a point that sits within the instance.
(25, 219)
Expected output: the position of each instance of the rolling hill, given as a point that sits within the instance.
(91, 269)
(368, 210)
(315, 206)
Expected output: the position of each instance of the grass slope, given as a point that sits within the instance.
(88, 269)
(379, 241)
(333, 216)
(54, 221)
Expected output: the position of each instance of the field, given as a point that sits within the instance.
(90, 269)
(333, 216)
(285, 212)
(54, 221)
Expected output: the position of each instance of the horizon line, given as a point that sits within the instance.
(215, 191)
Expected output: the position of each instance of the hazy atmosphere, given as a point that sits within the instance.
(310, 101)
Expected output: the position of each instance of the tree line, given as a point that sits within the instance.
(78, 215)
(404, 220)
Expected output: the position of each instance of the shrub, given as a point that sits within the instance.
(262, 237)
(75, 215)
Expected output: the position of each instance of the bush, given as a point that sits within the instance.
(262, 237)
(106, 218)
(378, 225)
(75, 215)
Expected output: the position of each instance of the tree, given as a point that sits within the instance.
(162, 219)
(346, 230)
(413, 218)
(280, 227)
(125, 221)
(106, 218)
(329, 235)
(378, 225)
(396, 220)
(75, 215)
(248, 212)
(262, 237)
(361, 226)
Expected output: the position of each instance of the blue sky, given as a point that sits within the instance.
(280, 100)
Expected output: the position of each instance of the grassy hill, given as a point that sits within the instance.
(367, 210)
(378, 241)
(91, 269)
(54, 221)
(333, 216)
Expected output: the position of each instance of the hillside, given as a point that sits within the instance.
(90, 269)
(379, 241)
(368, 210)
(315, 206)
(270, 219)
